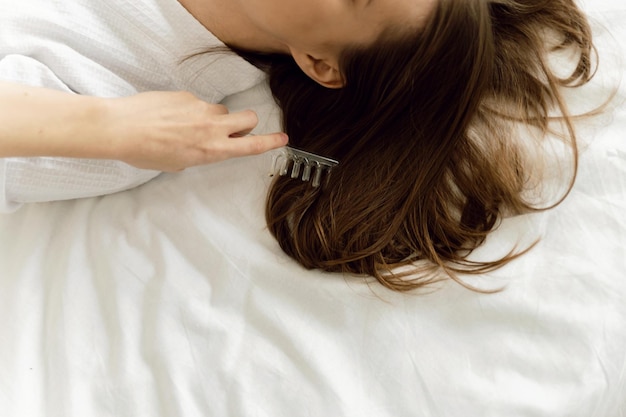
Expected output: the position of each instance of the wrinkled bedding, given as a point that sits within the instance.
(172, 299)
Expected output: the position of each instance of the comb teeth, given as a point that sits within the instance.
(301, 164)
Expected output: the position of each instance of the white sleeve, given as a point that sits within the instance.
(24, 180)
(6, 206)
(28, 180)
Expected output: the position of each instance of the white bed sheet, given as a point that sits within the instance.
(172, 299)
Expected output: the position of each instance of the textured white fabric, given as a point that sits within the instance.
(172, 300)
(104, 48)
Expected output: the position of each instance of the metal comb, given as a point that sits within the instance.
(302, 164)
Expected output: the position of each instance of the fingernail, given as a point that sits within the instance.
(284, 137)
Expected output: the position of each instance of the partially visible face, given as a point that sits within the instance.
(324, 28)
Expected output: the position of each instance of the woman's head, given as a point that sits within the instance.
(423, 129)
(316, 32)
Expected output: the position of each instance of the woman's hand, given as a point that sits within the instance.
(170, 131)
(165, 131)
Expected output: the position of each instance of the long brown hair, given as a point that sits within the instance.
(424, 130)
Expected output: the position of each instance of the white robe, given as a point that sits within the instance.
(106, 48)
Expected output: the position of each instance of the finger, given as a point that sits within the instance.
(240, 134)
(218, 109)
(254, 145)
(236, 123)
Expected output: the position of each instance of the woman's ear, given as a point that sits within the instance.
(324, 71)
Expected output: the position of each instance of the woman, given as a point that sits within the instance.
(416, 98)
